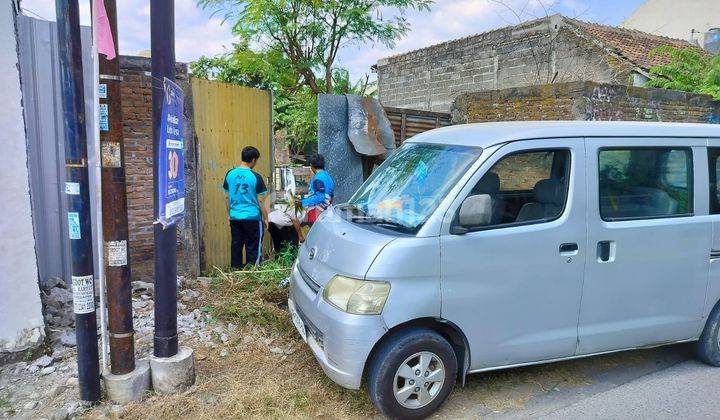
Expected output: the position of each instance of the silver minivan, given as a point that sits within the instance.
(488, 246)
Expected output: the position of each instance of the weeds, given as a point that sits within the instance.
(253, 296)
(252, 381)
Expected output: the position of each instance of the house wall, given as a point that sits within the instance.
(675, 19)
(537, 52)
(21, 321)
(585, 101)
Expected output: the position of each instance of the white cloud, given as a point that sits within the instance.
(196, 32)
(452, 19)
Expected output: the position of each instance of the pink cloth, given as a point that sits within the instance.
(105, 44)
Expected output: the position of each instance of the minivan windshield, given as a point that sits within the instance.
(404, 191)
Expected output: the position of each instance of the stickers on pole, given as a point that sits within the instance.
(116, 253)
(72, 188)
(102, 91)
(104, 118)
(110, 153)
(83, 294)
(74, 225)
(171, 178)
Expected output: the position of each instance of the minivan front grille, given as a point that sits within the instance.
(308, 280)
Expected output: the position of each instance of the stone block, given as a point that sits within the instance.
(341, 160)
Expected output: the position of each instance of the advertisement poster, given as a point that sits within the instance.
(171, 193)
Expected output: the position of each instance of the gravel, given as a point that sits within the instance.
(47, 387)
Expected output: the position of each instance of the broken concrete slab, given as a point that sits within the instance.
(341, 160)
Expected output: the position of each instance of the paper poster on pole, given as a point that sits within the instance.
(171, 184)
(83, 294)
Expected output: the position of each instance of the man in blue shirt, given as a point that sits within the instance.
(321, 190)
(248, 216)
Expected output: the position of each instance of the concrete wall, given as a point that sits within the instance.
(585, 101)
(537, 52)
(21, 322)
(675, 19)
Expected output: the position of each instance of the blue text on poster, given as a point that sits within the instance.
(171, 183)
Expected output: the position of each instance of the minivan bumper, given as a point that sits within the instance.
(341, 342)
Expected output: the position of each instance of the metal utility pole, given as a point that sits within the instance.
(162, 47)
(114, 210)
(77, 193)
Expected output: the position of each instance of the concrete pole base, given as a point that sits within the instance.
(130, 386)
(174, 374)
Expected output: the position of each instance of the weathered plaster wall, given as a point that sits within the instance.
(21, 321)
(537, 52)
(585, 101)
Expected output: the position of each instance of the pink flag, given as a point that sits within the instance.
(104, 41)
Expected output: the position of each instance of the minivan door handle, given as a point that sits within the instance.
(569, 249)
(606, 251)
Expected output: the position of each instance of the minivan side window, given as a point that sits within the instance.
(525, 187)
(714, 166)
(645, 183)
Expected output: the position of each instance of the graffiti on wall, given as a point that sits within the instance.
(613, 103)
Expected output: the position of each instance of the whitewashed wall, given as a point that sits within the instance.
(675, 19)
(21, 321)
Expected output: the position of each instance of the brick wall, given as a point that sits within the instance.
(136, 91)
(584, 101)
(537, 52)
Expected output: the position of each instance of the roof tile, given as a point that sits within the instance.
(631, 44)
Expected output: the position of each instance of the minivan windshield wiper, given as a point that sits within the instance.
(353, 207)
(379, 221)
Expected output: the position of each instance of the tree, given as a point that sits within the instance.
(310, 33)
(688, 69)
(268, 69)
(295, 105)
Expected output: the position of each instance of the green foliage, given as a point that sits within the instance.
(689, 70)
(295, 105)
(253, 296)
(268, 69)
(298, 43)
(310, 33)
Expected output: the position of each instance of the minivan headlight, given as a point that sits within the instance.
(355, 296)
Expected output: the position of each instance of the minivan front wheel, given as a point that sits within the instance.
(708, 347)
(412, 373)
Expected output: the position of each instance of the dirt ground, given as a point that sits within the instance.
(270, 373)
(250, 363)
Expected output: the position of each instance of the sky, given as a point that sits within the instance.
(198, 32)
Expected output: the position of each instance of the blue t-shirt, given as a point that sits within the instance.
(243, 185)
(320, 192)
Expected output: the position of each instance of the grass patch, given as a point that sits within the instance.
(253, 381)
(252, 296)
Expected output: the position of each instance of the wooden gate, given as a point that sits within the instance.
(227, 118)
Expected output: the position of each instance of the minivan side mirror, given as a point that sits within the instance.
(475, 211)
